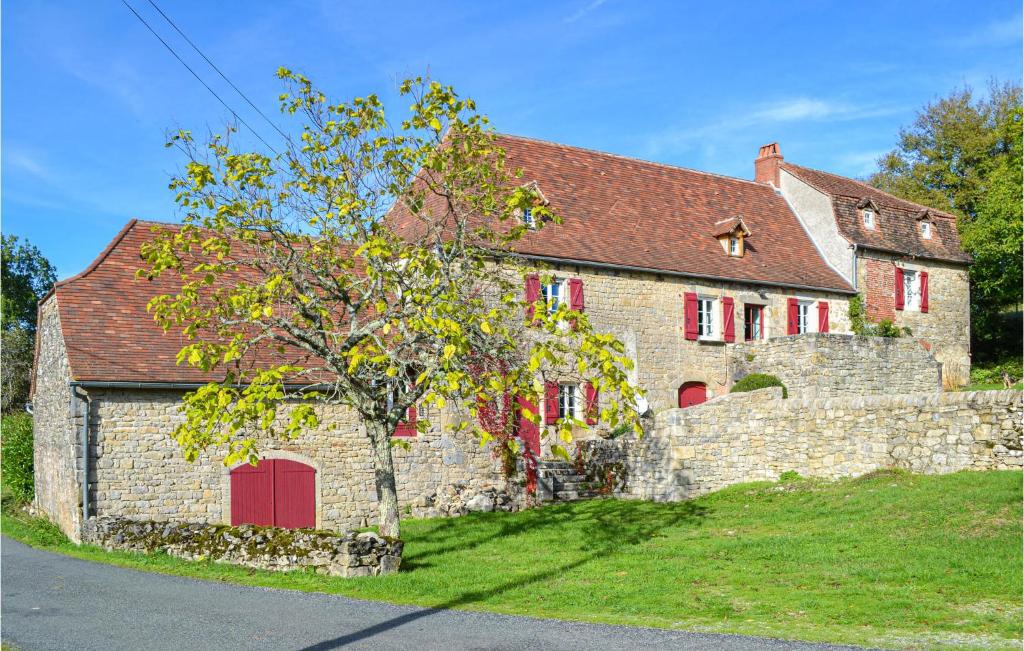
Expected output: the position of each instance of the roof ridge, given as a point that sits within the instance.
(632, 159)
(940, 213)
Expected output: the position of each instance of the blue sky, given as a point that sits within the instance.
(88, 93)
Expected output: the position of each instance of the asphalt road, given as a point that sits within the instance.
(50, 601)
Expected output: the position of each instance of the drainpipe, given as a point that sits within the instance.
(854, 265)
(86, 408)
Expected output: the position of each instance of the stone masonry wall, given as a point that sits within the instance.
(758, 436)
(945, 328)
(55, 426)
(830, 365)
(138, 470)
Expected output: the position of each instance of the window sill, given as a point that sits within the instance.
(711, 342)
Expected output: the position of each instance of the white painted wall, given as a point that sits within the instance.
(814, 209)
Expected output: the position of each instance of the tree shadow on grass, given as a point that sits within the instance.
(603, 527)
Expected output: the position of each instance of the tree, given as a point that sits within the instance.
(25, 277)
(966, 156)
(300, 282)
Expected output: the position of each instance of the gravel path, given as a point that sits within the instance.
(51, 601)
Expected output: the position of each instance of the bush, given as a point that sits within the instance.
(756, 381)
(16, 455)
(993, 373)
(861, 326)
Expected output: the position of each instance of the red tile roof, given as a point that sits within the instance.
(110, 337)
(897, 225)
(633, 213)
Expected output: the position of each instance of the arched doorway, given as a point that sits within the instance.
(275, 492)
(692, 393)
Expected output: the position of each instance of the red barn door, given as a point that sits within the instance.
(276, 492)
(692, 393)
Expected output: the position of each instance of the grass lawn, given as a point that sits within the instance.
(889, 559)
(991, 386)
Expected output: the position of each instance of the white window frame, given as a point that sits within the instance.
(528, 219)
(568, 400)
(707, 318)
(554, 293)
(805, 312)
(868, 215)
(734, 246)
(926, 230)
(911, 290)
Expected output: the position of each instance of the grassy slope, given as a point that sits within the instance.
(891, 559)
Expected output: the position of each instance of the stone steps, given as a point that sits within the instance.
(558, 481)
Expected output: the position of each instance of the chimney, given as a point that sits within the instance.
(766, 165)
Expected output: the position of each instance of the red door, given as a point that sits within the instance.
(277, 492)
(692, 393)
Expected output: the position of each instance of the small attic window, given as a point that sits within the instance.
(732, 233)
(528, 218)
(735, 246)
(926, 230)
(868, 215)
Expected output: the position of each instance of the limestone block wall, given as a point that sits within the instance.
(946, 327)
(758, 436)
(55, 426)
(829, 365)
(138, 470)
(645, 311)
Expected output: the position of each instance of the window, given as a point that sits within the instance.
(911, 290)
(869, 218)
(734, 246)
(706, 318)
(567, 400)
(528, 218)
(803, 317)
(753, 322)
(926, 230)
(554, 294)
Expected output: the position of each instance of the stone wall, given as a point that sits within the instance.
(758, 436)
(138, 471)
(265, 548)
(56, 425)
(945, 328)
(830, 365)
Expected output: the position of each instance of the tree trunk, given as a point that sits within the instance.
(384, 474)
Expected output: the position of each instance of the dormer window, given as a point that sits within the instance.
(926, 230)
(732, 233)
(528, 218)
(869, 218)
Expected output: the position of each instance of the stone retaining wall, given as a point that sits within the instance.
(265, 548)
(758, 436)
(830, 365)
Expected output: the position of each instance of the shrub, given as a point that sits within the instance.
(16, 455)
(861, 326)
(756, 381)
(993, 373)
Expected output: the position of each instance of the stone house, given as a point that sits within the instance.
(683, 266)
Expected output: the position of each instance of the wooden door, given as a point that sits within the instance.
(692, 393)
(274, 493)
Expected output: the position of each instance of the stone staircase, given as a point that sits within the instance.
(558, 481)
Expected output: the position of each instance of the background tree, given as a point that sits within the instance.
(965, 155)
(369, 265)
(25, 277)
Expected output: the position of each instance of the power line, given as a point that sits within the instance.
(219, 72)
(198, 78)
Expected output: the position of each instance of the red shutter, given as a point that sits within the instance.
(592, 408)
(408, 426)
(728, 319)
(529, 432)
(550, 403)
(294, 495)
(924, 291)
(822, 316)
(792, 319)
(532, 294)
(576, 294)
(690, 315)
(899, 288)
(252, 494)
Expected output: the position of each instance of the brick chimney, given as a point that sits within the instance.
(766, 165)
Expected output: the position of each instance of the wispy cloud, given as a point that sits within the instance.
(583, 11)
(24, 161)
(997, 33)
(860, 163)
(764, 116)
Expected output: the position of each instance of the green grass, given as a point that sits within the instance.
(889, 559)
(991, 386)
